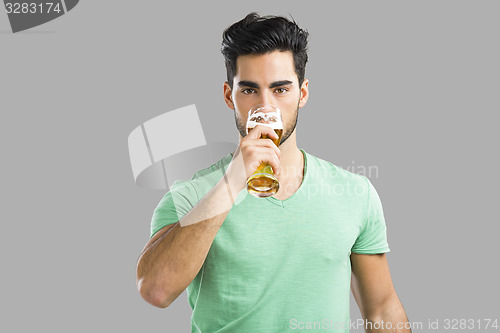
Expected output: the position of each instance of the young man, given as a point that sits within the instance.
(280, 263)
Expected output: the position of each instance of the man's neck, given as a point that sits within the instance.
(291, 160)
(291, 169)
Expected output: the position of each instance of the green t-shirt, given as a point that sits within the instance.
(280, 266)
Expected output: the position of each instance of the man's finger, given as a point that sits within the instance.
(258, 130)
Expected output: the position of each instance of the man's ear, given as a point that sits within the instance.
(228, 98)
(304, 93)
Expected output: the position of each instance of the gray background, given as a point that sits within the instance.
(409, 87)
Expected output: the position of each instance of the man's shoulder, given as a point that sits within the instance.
(204, 179)
(218, 166)
(323, 170)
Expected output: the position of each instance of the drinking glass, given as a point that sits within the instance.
(263, 183)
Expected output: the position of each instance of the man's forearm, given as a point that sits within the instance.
(391, 319)
(168, 265)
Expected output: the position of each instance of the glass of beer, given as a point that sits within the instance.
(263, 183)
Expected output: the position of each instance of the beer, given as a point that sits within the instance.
(263, 183)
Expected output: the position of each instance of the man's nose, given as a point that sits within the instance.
(266, 98)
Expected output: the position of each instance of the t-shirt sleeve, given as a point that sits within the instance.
(176, 203)
(373, 236)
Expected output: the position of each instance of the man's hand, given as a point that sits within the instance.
(251, 152)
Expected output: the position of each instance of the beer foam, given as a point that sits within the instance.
(252, 124)
(269, 119)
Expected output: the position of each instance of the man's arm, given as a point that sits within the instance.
(174, 255)
(373, 290)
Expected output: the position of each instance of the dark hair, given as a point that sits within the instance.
(263, 34)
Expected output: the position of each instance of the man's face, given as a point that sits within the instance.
(266, 79)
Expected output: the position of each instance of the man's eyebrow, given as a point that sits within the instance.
(275, 84)
(248, 84)
(280, 83)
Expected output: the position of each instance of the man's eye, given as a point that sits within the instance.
(281, 90)
(248, 91)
